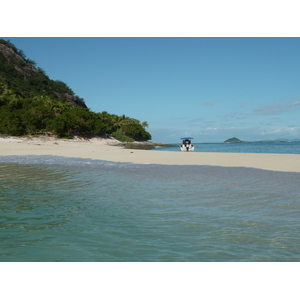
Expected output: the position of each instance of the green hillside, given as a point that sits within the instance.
(33, 104)
(233, 140)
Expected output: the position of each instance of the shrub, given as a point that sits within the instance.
(120, 136)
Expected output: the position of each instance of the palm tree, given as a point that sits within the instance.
(121, 121)
(145, 124)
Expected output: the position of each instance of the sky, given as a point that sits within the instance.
(210, 88)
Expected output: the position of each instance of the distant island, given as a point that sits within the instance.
(282, 140)
(236, 140)
(233, 140)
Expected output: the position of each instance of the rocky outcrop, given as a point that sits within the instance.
(18, 62)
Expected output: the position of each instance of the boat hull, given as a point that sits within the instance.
(188, 148)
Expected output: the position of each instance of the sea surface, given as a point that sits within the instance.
(69, 209)
(292, 147)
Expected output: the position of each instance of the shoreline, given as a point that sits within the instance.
(106, 149)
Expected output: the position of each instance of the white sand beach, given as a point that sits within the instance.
(105, 149)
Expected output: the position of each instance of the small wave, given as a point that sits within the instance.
(53, 160)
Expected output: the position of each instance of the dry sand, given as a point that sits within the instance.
(103, 149)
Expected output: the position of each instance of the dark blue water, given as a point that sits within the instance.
(247, 147)
(68, 209)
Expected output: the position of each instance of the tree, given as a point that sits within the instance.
(144, 124)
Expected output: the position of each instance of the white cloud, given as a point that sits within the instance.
(195, 121)
(295, 103)
(285, 132)
(277, 108)
(236, 115)
(216, 134)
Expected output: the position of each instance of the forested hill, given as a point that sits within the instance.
(20, 77)
(33, 104)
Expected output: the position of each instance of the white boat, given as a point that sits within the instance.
(187, 144)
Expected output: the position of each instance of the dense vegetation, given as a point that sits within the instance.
(33, 104)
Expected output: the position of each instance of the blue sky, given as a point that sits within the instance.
(209, 88)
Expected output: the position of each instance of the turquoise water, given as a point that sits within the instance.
(249, 147)
(68, 209)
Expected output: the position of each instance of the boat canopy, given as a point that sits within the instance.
(187, 138)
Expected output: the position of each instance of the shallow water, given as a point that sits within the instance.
(249, 147)
(69, 209)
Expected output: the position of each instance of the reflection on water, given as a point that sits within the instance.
(60, 209)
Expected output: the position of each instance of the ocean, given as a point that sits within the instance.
(57, 209)
(292, 147)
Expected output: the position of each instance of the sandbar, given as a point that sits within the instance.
(106, 149)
